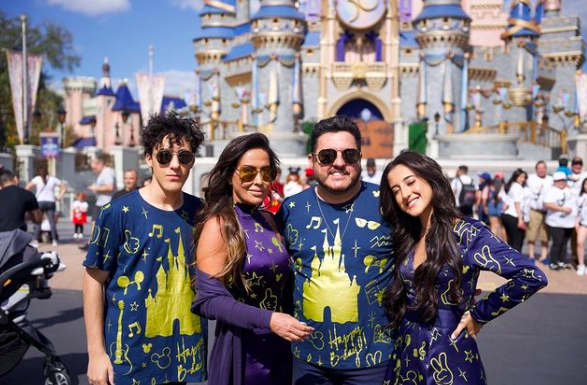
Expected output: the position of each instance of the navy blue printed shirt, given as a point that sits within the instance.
(342, 259)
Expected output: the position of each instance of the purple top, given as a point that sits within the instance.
(245, 350)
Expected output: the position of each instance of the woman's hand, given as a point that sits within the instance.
(467, 322)
(289, 328)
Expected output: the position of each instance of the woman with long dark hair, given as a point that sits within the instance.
(513, 216)
(582, 228)
(439, 255)
(242, 270)
(494, 205)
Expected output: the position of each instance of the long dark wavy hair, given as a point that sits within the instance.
(513, 179)
(441, 245)
(219, 202)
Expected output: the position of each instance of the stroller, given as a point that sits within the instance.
(24, 272)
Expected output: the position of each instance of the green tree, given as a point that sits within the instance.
(55, 43)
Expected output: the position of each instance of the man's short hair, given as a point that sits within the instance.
(101, 157)
(6, 176)
(335, 124)
(132, 170)
(171, 125)
(539, 163)
(464, 169)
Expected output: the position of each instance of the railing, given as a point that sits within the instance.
(528, 132)
(225, 129)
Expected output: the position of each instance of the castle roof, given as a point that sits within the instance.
(239, 51)
(88, 120)
(284, 11)
(434, 11)
(218, 7)
(407, 39)
(107, 91)
(520, 22)
(242, 29)
(215, 33)
(85, 142)
(178, 103)
(124, 100)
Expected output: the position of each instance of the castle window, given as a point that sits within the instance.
(408, 52)
(445, 20)
(275, 21)
(310, 52)
(205, 41)
(223, 41)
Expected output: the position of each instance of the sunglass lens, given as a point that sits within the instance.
(351, 155)
(185, 157)
(327, 156)
(267, 174)
(164, 157)
(247, 174)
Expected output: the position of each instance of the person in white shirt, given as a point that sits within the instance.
(575, 181)
(538, 184)
(464, 202)
(371, 174)
(561, 217)
(582, 228)
(513, 217)
(45, 186)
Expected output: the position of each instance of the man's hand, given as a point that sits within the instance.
(100, 370)
(467, 322)
(289, 328)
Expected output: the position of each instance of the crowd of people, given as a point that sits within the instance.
(343, 282)
(549, 209)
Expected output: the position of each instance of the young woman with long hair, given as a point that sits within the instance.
(439, 255)
(242, 270)
(494, 206)
(513, 216)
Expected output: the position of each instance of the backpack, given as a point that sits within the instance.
(467, 195)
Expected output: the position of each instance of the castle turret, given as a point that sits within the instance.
(442, 31)
(278, 32)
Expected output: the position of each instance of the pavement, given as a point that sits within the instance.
(541, 342)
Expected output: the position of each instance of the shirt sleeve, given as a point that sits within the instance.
(31, 203)
(550, 196)
(487, 252)
(106, 240)
(214, 301)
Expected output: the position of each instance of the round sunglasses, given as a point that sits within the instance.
(184, 157)
(249, 173)
(328, 156)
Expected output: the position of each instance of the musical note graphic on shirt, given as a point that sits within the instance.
(135, 326)
(317, 220)
(259, 228)
(157, 229)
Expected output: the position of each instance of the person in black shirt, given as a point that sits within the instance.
(16, 202)
(131, 177)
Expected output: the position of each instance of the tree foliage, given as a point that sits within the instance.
(55, 44)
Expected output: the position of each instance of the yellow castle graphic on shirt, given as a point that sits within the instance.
(330, 286)
(173, 298)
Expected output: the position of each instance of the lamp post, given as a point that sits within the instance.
(61, 114)
(437, 121)
(125, 116)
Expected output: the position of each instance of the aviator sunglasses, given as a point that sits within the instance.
(165, 156)
(328, 156)
(249, 173)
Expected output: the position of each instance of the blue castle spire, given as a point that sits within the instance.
(520, 22)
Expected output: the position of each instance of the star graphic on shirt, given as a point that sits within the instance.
(255, 280)
(349, 208)
(270, 250)
(253, 295)
(319, 363)
(407, 361)
(145, 254)
(125, 209)
(107, 256)
(453, 343)
(134, 306)
(356, 248)
(259, 246)
(145, 212)
(462, 374)
(308, 205)
(292, 204)
(274, 267)
(109, 325)
(371, 319)
(144, 364)
(524, 287)
(249, 258)
(470, 356)
(504, 297)
(509, 261)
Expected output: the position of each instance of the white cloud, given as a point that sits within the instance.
(189, 4)
(93, 7)
(177, 83)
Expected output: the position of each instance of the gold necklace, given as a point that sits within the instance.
(349, 210)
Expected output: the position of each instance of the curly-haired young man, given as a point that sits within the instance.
(137, 293)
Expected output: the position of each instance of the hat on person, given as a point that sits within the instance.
(484, 175)
(294, 170)
(498, 174)
(559, 175)
(370, 162)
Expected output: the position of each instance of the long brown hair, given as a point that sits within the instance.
(441, 246)
(219, 202)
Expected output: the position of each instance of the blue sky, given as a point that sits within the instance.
(123, 30)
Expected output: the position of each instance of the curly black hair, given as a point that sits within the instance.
(171, 125)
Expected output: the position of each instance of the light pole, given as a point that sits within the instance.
(437, 121)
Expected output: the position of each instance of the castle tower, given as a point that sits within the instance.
(442, 31)
(211, 44)
(521, 37)
(278, 30)
(564, 48)
(105, 99)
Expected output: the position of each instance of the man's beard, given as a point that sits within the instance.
(332, 191)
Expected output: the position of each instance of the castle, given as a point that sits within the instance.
(469, 66)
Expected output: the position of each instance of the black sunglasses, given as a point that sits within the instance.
(165, 156)
(328, 156)
(249, 173)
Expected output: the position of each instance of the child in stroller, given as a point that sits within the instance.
(23, 276)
